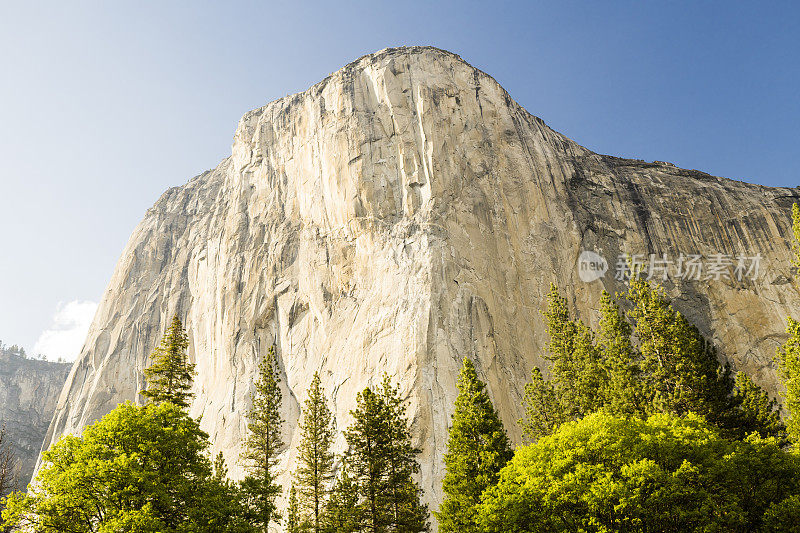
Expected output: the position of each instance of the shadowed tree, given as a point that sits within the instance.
(382, 462)
(341, 510)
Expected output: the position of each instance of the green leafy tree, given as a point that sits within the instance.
(341, 510)
(383, 462)
(666, 473)
(788, 356)
(477, 449)
(789, 368)
(315, 471)
(169, 378)
(262, 445)
(137, 469)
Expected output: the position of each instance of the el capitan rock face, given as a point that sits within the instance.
(400, 215)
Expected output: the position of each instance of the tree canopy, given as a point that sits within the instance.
(142, 469)
(666, 473)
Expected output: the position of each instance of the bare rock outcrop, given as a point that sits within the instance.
(400, 215)
(29, 389)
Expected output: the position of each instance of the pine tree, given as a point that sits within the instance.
(341, 509)
(293, 519)
(169, 378)
(220, 468)
(577, 373)
(383, 462)
(757, 412)
(367, 438)
(789, 367)
(622, 392)
(680, 369)
(315, 471)
(408, 514)
(262, 445)
(647, 360)
(543, 413)
(477, 449)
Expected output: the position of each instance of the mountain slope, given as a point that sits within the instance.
(400, 215)
(29, 391)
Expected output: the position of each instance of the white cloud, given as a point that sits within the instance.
(65, 336)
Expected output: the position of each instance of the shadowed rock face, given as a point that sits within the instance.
(28, 393)
(400, 215)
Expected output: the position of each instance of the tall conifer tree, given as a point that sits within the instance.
(757, 412)
(293, 519)
(367, 438)
(408, 514)
(383, 462)
(647, 360)
(789, 367)
(622, 392)
(315, 470)
(263, 443)
(577, 373)
(543, 411)
(680, 370)
(341, 510)
(169, 377)
(477, 449)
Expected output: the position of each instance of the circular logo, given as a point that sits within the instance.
(591, 266)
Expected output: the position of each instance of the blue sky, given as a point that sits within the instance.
(105, 105)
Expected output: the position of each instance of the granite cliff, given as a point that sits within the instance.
(29, 390)
(398, 216)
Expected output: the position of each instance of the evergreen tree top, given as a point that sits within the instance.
(170, 376)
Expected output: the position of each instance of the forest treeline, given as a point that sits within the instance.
(634, 426)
